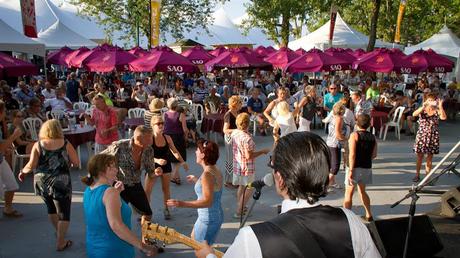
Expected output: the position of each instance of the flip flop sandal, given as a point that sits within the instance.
(68, 244)
(176, 181)
(13, 214)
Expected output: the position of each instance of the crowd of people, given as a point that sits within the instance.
(269, 103)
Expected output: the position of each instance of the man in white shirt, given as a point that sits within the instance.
(60, 102)
(300, 171)
(48, 92)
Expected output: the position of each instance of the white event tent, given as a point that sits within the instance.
(47, 13)
(222, 32)
(11, 40)
(59, 35)
(445, 42)
(344, 37)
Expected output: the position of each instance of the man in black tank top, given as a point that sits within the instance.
(305, 228)
(362, 150)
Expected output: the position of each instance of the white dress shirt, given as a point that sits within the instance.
(48, 94)
(56, 103)
(246, 244)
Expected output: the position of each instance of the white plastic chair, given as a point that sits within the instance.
(253, 120)
(32, 125)
(212, 107)
(81, 105)
(198, 113)
(16, 156)
(55, 114)
(393, 123)
(189, 102)
(136, 113)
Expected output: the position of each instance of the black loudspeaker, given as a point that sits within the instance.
(423, 241)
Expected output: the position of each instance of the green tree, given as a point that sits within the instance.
(279, 18)
(177, 16)
(422, 18)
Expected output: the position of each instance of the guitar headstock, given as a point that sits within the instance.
(161, 233)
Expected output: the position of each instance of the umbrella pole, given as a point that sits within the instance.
(44, 64)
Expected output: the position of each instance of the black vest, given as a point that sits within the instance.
(291, 234)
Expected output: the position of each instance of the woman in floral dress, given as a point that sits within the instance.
(427, 139)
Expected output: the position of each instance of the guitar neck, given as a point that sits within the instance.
(195, 244)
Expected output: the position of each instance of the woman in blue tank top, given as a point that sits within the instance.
(107, 216)
(208, 188)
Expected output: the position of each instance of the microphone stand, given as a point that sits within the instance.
(429, 179)
(256, 197)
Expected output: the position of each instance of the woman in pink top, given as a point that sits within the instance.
(105, 120)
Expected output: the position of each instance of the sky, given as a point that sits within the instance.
(235, 8)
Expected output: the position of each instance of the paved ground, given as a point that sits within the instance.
(32, 235)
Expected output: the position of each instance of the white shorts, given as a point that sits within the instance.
(7, 179)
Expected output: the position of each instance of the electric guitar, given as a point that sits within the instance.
(171, 236)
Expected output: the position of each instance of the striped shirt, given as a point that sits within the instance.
(242, 142)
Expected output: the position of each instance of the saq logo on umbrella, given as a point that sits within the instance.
(438, 69)
(175, 68)
(197, 62)
(405, 70)
(336, 67)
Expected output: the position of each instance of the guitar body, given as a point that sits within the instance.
(170, 236)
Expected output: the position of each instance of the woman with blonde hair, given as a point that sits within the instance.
(234, 106)
(336, 138)
(162, 146)
(244, 155)
(306, 108)
(50, 160)
(284, 121)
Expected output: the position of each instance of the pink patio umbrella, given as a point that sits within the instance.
(433, 61)
(261, 51)
(164, 59)
(237, 59)
(359, 52)
(316, 61)
(138, 51)
(72, 58)
(105, 61)
(11, 66)
(281, 58)
(300, 51)
(219, 50)
(386, 61)
(58, 57)
(198, 55)
(270, 49)
(342, 54)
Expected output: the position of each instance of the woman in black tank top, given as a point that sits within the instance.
(162, 146)
(362, 150)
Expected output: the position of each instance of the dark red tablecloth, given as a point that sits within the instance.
(213, 123)
(378, 118)
(80, 135)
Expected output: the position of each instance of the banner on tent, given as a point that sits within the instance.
(155, 6)
(402, 6)
(332, 24)
(28, 18)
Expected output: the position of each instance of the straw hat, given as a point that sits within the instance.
(156, 105)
